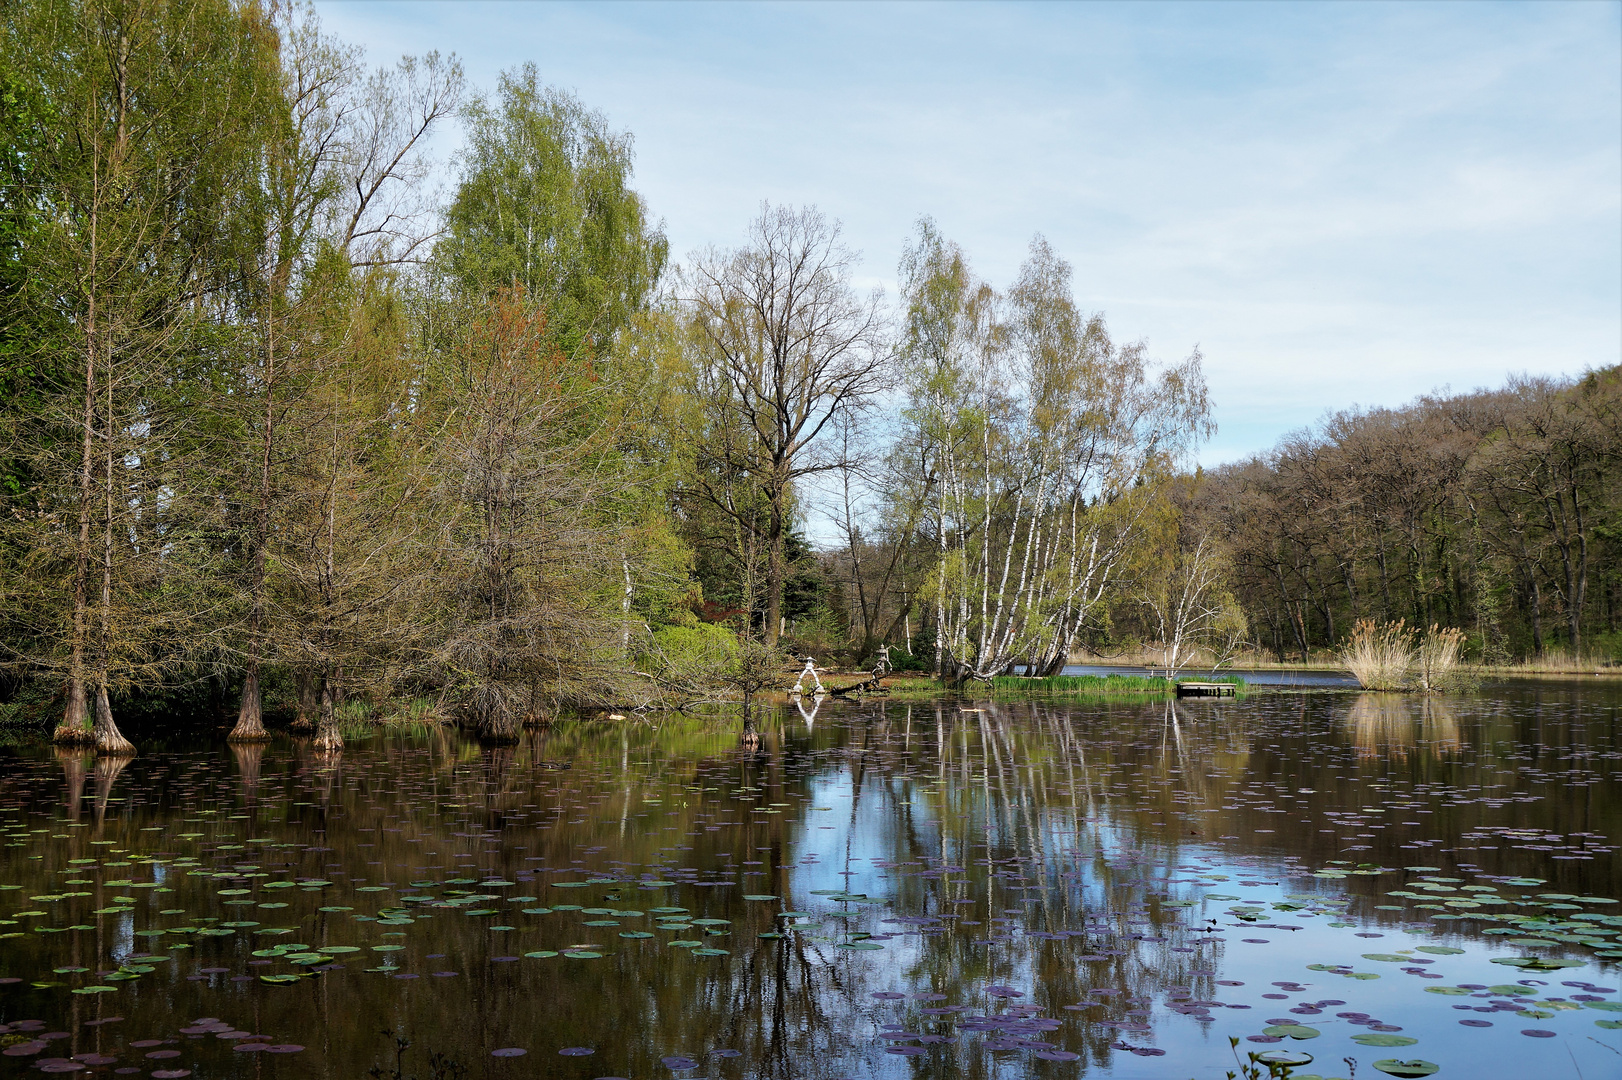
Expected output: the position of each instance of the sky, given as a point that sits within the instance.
(1338, 204)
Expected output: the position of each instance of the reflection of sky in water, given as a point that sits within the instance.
(1073, 834)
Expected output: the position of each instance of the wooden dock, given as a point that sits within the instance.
(1207, 689)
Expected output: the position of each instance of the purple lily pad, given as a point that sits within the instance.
(1538, 1033)
(1476, 1023)
(284, 1048)
(677, 1063)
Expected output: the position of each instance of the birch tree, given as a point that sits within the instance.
(1048, 438)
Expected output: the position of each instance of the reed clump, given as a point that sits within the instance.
(1379, 654)
(1395, 656)
(1437, 659)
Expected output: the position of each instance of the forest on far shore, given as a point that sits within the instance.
(287, 430)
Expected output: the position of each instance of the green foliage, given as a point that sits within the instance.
(545, 204)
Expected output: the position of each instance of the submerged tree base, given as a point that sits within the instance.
(250, 726)
(69, 736)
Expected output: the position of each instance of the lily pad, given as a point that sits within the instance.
(1382, 1038)
(1406, 1070)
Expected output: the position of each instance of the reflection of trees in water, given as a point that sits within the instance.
(250, 757)
(75, 766)
(106, 772)
(1395, 725)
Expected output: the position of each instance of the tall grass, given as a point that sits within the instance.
(1379, 655)
(1436, 661)
(1392, 656)
(1079, 684)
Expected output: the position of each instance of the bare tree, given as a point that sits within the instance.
(782, 332)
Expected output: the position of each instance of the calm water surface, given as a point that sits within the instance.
(881, 890)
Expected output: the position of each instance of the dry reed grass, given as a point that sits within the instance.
(1379, 655)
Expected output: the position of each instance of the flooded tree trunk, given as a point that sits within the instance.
(73, 731)
(327, 736)
(309, 704)
(496, 717)
(110, 742)
(250, 717)
(750, 739)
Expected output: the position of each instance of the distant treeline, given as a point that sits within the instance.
(1498, 512)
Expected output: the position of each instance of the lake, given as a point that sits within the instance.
(947, 889)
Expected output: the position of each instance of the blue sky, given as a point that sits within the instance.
(1338, 203)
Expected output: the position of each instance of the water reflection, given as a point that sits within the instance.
(1118, 868)
(1395, 725)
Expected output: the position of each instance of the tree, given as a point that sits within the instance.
(544, 204)
(154, 110)
(528, 600)
(782, 346)
(334, 167)
(1049, 442)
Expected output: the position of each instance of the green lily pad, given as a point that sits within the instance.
(1292, 1031)
(336, 949)
(1440, 950)
(1383, 1038)
(1406, 1070)
(761, 896)
(537, 911)
(371, 888)
(863, 946)
(540, 954)
(582, 954)
(96, 990)
(387, 948)
(283, 979)
(711, 952)
(635, 934)
(1390, 958)
(1453, 991)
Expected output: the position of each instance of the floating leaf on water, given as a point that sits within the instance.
(761, 896)
(1381, 1038)
(541, 954)
(1291, 1031)
(387, 948)
(635, 934)
(1440, 950)
(1406, 1070)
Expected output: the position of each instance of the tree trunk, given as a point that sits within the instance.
(309, 704)
(250, 717)
(73, 731)
(327, 736)
(774, 571)
(109, 740)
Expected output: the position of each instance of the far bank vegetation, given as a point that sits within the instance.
(291, 435)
